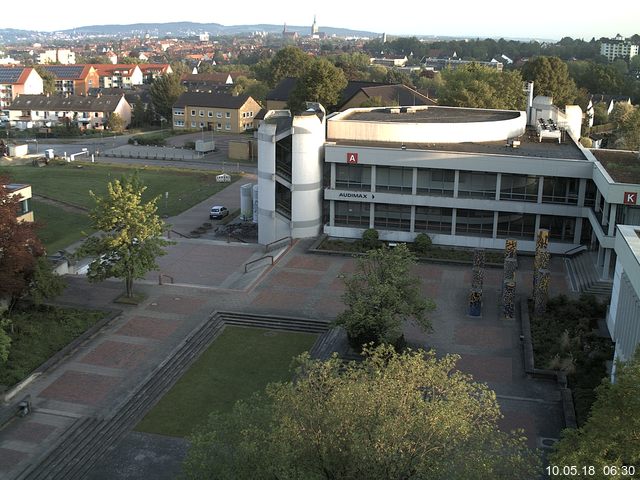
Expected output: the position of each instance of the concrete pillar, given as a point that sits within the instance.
(332, 212)
(372, 214)
(577, 233)
(596, 207)
(373, 179)
(498, 185)
(582, 191)
(537, 227)
(540, 188)
(456, 183)
(414, 184)
(454, 212)
(494, 234)
(600, 257)
(412, 227)
(605, 214)
(606, 266)
(613, 209)
(332, 185)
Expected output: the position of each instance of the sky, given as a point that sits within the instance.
(543, 19)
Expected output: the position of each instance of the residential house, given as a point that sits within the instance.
(16, 81)
(618, 47)
(278, 98)
(391, 61)
(151, 71)
(63, 56)
(214, 82)
(87, 112)
(215, 111)
(24, 213)
(608, 100)
(119, 75)
(74, 79)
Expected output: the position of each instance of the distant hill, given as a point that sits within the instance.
(192, 28)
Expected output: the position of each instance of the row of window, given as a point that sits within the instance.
(439, 220)
(441, 182)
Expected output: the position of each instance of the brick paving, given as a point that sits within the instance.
(80, 387)
(147, 327)
(32, 432)
(116, 355)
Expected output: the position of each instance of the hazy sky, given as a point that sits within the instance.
(489, 18)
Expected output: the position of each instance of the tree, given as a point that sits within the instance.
(5, 340)
(289, 61)
(477, 86)
(19, 248)
(116, 122)
(550, 76)
(129, 242)
(629, 132)
(321, 82)
(611, 435)
(48, 80)
(164, 91)
(380, 296)
(405, 416)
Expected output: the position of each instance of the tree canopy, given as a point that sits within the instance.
(321, 81)
(550, 76)
(381, 295)
(48, 80)
(289, 61)
(611, 435)
(164, 91)
(477, 86)
(408, 416)
(129, 242)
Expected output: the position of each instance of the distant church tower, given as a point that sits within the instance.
(284, 30)
(314, 27)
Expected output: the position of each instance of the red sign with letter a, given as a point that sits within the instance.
(630, 198)
(352, 157)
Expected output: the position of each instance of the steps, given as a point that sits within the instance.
(84, 443)
(582, 269)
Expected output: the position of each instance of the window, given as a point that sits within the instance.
(193, 113)
(516, 225)
(392, 217)
(433, 219)
(219, 126)
(178, 112)
(351, 214)
(436, 182)
(218, 114)
(475, 222)
(477, 185)
(394, 179)
(560, 190)
(522, 188)
(353, 177)
(227, 115)
(179, 123)
(210, 114)
(227, 126)
(560, 228)
(193, 124)
(251, 114)
(201, 113)
(201, 125)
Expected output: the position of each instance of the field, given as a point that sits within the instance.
(239, 362)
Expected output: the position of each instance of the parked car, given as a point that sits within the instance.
(218, 211)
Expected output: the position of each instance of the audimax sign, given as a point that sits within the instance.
(362, 195)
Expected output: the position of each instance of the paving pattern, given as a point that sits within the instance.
(93, 380)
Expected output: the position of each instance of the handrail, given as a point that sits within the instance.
(268, 245)
(160, 276)
(574, 250)
(257, 260)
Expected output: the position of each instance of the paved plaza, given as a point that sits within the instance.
(209, 276)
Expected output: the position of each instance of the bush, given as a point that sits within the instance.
(158, 140)
(370, 239)
(422, 243)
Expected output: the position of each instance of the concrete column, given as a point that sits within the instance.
(332, 212)
(540, 189)
(456, 183)
(582, 191)
(605, 214)
(373, 179)
(454, 212)
(495, 225)
(606, 267)
(613, 209)
(537, 227)
(498, 186)
(600, 255)
(414, 182)
(412, 227)
(577, 232)
(332, 184)
(596, 208)
(372, 214)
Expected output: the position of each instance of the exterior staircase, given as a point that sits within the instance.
(585, 277)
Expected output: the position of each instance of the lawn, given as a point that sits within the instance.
(38, 334)
(239, 362)
(72, 182)
(59, 229)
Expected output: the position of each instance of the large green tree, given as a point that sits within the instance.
(381, 295)
(477, 86)
(402, 416)
(130, 234)
(550, 76)
(611, 435)
(164, 91)
(289, 61)
(320, 82)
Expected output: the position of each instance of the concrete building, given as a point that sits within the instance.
(62, 56)
(25, 213)
(16, 81)
(215, 111)
(618, 47)
(74, 79)
(119, 75)
(29, 111)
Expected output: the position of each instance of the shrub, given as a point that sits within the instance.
(370, 239)
(422, 243)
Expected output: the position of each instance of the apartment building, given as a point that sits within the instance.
(16, 81)
(215, 111)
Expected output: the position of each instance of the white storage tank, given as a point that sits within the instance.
(246, 201)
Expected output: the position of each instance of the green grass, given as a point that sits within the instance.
(59, 229)
(38, 334)
(239, 362)
(70, 183)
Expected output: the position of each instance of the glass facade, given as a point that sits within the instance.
(352, 214)
(523, 188)
(394, 179)
(477, 185)
(435, 182)
(516, 225)
(392, 217)
(433, 219)
(560, 228)
(560, 190)
(353, 177)
(474, 222)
